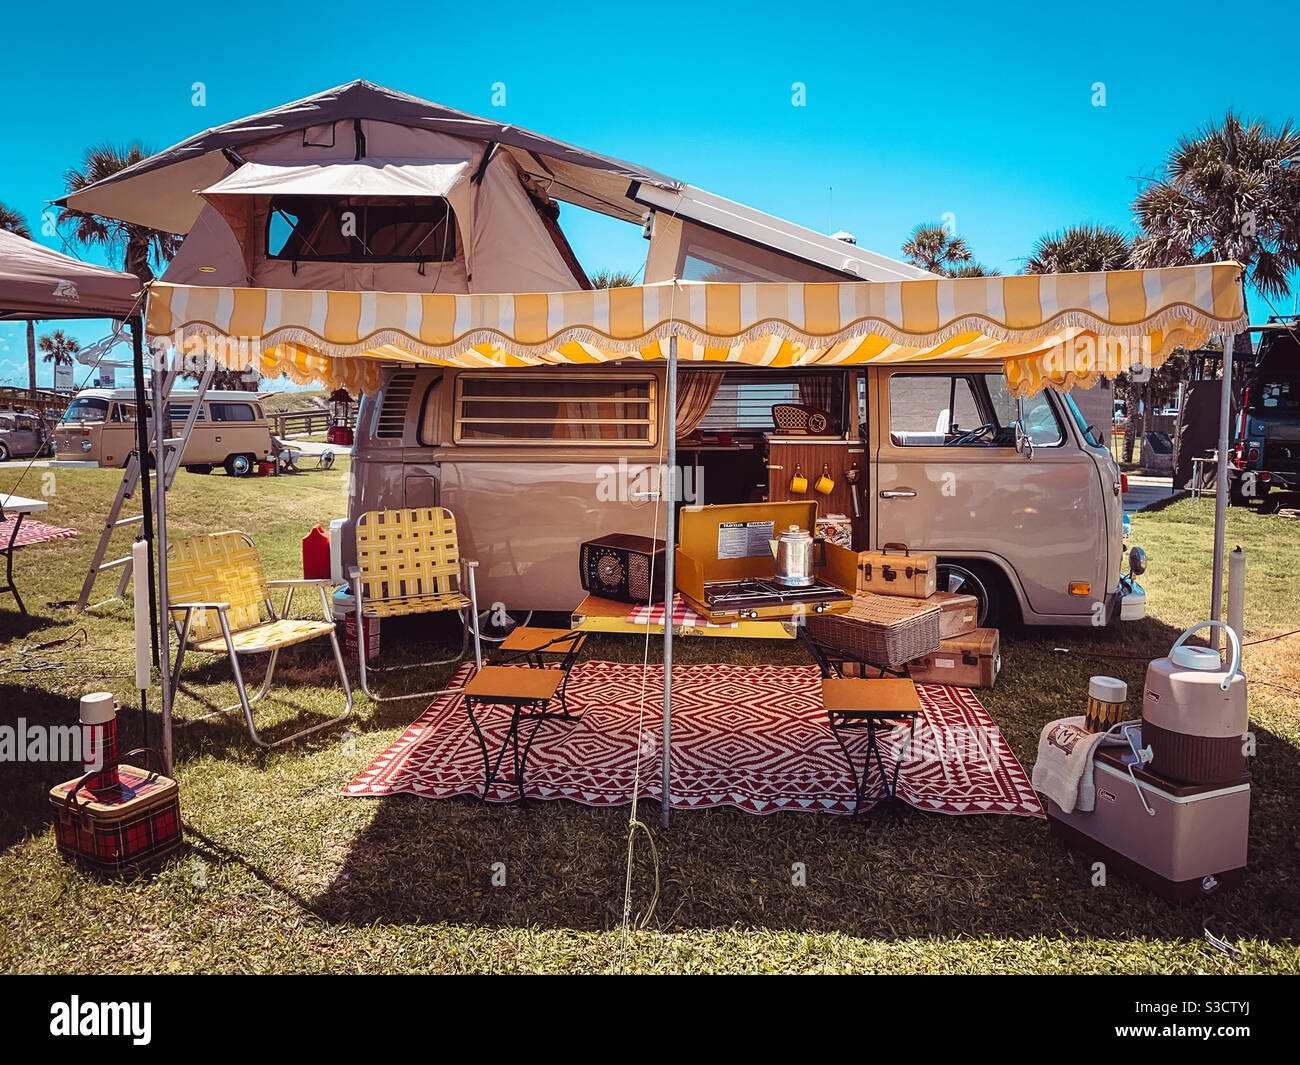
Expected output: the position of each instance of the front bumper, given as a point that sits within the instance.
(1132, 600)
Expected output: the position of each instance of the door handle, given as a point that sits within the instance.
(897, 493)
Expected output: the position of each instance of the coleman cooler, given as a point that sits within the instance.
(1194, 714)
(1192, 841)
(894, 570)
(968, 661)
(960, 613)
(128, 825)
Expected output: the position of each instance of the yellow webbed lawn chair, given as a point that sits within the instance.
(409, 562)
(216, 594)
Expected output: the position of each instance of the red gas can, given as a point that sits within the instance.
(316, 555)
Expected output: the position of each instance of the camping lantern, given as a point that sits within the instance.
(340, 410)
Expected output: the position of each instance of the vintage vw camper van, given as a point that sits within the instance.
(231, 430)
(533, 462)
(364, 188)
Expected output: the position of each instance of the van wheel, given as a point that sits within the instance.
(4, 452)
(981, 580)
(239, 465)
(198, 469)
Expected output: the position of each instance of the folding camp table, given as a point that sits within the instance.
(856, 703)
(528, 693)
(19, 508)
(533, 644)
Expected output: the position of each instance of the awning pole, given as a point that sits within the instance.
(160, 506)
(670, 542)
(1221, 488)
(146, 493)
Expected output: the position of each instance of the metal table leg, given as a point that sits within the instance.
(9, 563)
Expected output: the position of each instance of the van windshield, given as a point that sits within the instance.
(1088, 432)
(86, 409)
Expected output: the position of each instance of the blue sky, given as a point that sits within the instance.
(911, 110)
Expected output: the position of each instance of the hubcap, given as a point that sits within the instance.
(955, 578)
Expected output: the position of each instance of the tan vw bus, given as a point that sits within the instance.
(1021, 501)
(231, 430)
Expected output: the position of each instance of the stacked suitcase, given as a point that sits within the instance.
(900, 618)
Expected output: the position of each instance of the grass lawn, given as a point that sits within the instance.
(282, 874)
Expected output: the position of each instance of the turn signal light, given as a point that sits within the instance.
(1080, 588)
(1123, 482)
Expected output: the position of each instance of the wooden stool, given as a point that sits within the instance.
(533, 644)
(854, 703)
(528, 693)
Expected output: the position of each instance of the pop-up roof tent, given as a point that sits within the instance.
(439, 201)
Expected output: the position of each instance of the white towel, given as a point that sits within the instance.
(1063, 770)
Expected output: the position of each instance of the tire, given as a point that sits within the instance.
(1236, 497)
(4, 453)
(997, 604)
(204, 469)
(239, 465)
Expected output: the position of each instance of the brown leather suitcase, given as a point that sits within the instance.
(960, 614)
(894, 570)
(969, 661)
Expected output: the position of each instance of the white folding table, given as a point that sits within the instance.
(18, 507)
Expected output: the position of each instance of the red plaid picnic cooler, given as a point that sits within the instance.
(125, 825)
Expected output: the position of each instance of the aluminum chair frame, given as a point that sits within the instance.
(245, 701)
(465, 576)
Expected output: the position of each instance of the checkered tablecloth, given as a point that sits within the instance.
(683, 615)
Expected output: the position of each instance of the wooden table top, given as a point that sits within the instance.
(869, 694)
(528, 638)
(510, 683)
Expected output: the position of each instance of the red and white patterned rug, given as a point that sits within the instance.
(32, 532)
(753, 737)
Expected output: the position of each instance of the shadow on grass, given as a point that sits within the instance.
(892, 872)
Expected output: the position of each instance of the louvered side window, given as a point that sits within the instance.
(391, 423)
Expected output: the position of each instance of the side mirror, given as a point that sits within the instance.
(1024, 444)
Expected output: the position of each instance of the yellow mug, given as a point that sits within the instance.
(825, 484)
(798, 483)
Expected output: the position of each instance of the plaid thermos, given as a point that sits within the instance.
(1107, 698)
(99, 739)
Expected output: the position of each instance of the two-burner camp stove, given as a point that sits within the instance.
(755, 597)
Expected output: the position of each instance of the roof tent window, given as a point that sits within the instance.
(546, 409)
(360, 229)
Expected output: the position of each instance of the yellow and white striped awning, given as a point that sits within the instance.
(1049, 330)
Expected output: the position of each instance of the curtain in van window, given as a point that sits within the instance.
(696, 390)
(816, 391)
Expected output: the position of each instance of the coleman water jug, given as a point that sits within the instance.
(1194, 712)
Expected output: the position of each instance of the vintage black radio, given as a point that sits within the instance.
(623, 566)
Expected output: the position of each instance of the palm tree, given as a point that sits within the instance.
(13, 222)
(137, 246)
(1229, 191)
(612, 279)
(974, 270)
(1088, 249)
(931, 247)
(59, 348)
(1080, 249)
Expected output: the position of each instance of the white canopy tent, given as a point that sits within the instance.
(1046, 331)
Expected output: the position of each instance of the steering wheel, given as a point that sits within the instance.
(971, 435)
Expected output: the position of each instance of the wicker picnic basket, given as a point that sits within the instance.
(885, 630)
